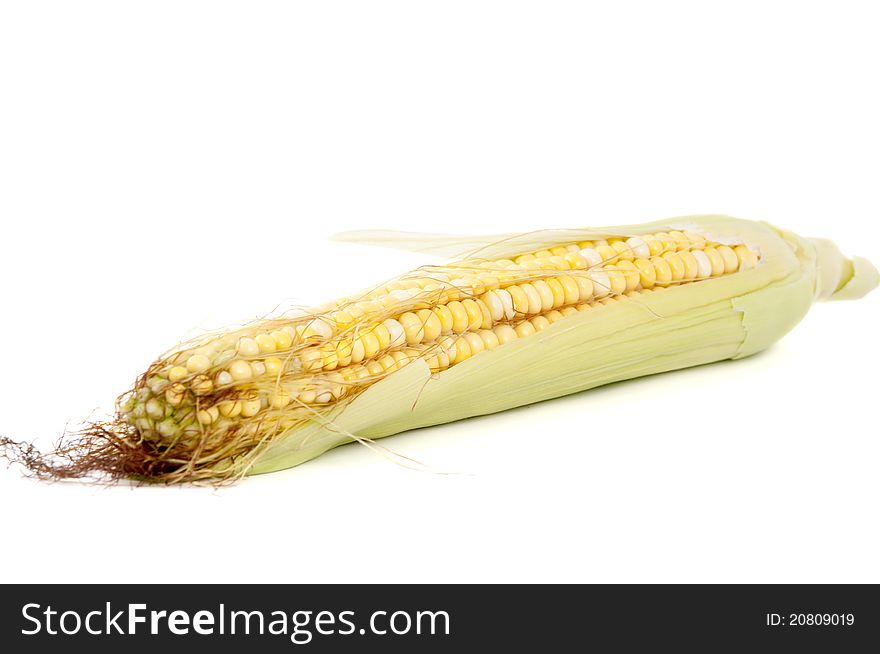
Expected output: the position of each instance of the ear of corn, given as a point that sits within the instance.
(518, 319)
(725, 317)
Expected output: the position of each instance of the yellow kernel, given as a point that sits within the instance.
(251, 406)
(202, 385)
(200, 363)
(623, 249)
(357, 351)
(676, 265)
(679, 239)
(574, 287)
(716, 261)
(342, 319)
(490, 339)
(691, 267)
(310, 360)
(559, 251)
(519, 297)
(412, 327)
(552, 316)
(545, 293)
(607, 253)
(473, 339)
(177, 373)
(388, 362)
(576, 261)
(539, 323)
(444, 314)
(747, 258)
(534, 300)
(273, 365)
(280, 399)
(617, 280)
(282, 339)
(655, 246)
(247, 347)
(462, 350)
(630, 273)
(474, 314)
(395, 332)
(174, 395)
(647, 274)
(731, 263)
(557, 290)
(370, 343)
(240, 370)
(486, 322)
(662, 270)
(265, 342)
(524, 329)
(543, 254)
(559, 263)
(505, 333)
(207, 416)
(229, 408)
(567, 311)
(460, 317)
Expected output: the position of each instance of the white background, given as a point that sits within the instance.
(167, 166)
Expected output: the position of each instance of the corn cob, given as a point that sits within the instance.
(522, 318)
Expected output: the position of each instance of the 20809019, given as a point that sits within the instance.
(810, 619)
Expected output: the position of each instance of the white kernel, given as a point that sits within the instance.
(396, 331)
(319, 327)
(704, 266)
(166, 427)
(155, 409)
(601, 283)
(507, 303)
(493, 303)
(639, 248)
(592, 256)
